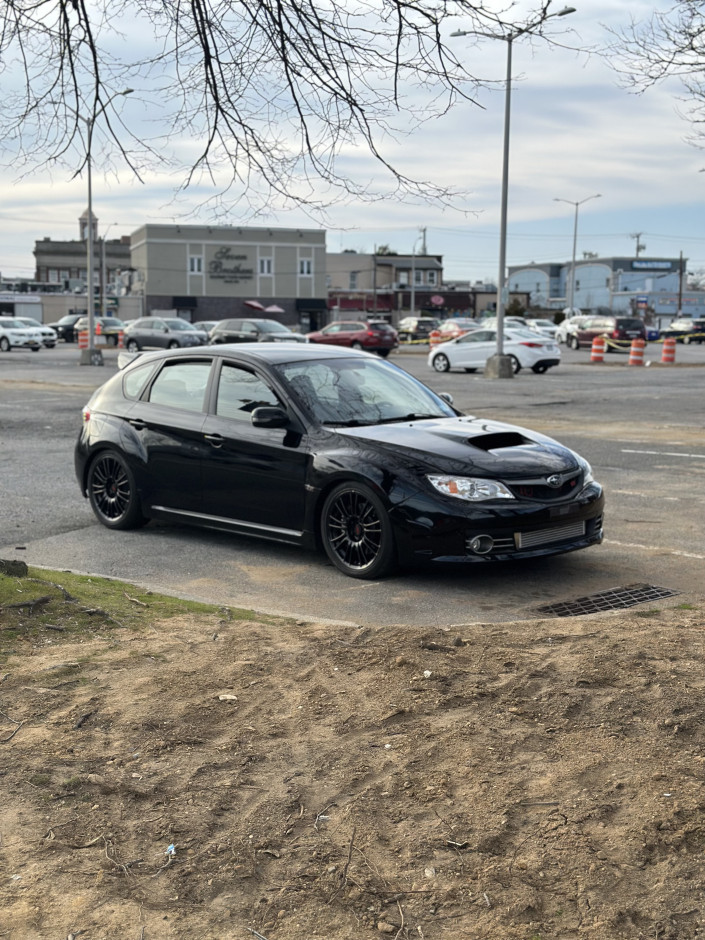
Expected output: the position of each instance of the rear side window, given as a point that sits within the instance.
(629, 323)
(136, 379)
(181, 385)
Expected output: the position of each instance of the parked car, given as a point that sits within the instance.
(13, 335)
(49, 335)
(619, 331)
(567, 327)
(326, 446)
(416, 329)
(456, 326)
(206, 325)
(547, 327)
(685, 330)
(110, 327)
(65, 327)
(162, 332)
(470, 352)
(253, 331)
(373, 335)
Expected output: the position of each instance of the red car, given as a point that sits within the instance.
(372, 335)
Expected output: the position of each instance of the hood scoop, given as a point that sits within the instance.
(500, 440)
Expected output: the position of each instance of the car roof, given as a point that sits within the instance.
(264, 353)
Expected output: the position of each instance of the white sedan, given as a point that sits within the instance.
(470, 352)
(548, 327)
(569, 327)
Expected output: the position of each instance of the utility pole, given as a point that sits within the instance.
(639, 246)
(680, 286)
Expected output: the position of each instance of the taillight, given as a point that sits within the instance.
(86, 414)
(531, 345)
(615, 334)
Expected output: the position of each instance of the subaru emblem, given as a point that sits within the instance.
(554, 481)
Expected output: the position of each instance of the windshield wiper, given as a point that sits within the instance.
(412, 416)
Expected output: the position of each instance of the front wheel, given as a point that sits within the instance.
(516, 365)
(383, 353)
(441, 363)
(36, 348)
(574, 342)
(132, 345)
(5, 344)
(356, 532)
(539, 370)
(112, 492)
(173, 344)
(356, 345)
(686, 341)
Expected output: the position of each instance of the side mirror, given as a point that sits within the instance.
(446, 396)
(267, 416)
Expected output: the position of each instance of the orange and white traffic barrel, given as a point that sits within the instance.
(83, 339)
(668, 353)
(121, 339)
(599, 345)
(434, 338)
(636, 353)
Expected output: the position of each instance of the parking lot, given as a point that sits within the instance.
(641, 428)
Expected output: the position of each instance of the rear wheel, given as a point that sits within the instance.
(539, 369)
(356, 532)
(441, 363)
(574, 342)
(356, 345)
(516, 365)
(470, 370)
(383, 353)
(132, 345)
(173, 344)
(686, 340)
(112, 492)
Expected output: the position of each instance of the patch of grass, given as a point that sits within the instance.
(39, 780)
(686, 606)
(654, 612)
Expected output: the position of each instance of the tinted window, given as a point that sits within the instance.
(181, 385)
(629, 323)
(240, 392)
(134, 382)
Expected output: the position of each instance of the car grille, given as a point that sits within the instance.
(520, 541)
(539, 489)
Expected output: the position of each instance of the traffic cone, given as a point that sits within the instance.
(597, 353)
(636, 353)
(668, 353)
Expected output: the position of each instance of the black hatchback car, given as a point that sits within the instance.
(318, 446)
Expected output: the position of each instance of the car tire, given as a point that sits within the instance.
(441, 363)
(574, 342)
(172, 344)
(469, 370)
(132, 345)
(516, 365)
(356, 345)
(112, 492)
(36, 348)
(686, 341)
(112, 341)
(539, 369)
(356, 532)
(383, 353)
(5, 344)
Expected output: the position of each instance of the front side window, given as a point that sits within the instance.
(240, 392)
(181, 385)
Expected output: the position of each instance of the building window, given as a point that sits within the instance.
(195, 264)
(305, 266)
(53, 276)
(403, 278)
(265, 265)
(353, 280)
(418, 277)
(431, 277)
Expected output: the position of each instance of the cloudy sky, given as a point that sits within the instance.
(575, 132)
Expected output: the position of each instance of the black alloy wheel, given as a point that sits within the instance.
(112, 492)
(441, 363)
(356, 532)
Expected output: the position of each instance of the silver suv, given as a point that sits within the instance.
(162, 333)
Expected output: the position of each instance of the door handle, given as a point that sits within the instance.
(138, 424)
(216, 440)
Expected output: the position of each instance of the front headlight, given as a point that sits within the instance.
(587, 473)
(472, 489)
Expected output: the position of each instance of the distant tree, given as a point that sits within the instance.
(384, 250)
(669, 44)
(270, 97)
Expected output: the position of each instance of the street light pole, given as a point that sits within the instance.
(500, 366)
(571, 294)
(92, 356)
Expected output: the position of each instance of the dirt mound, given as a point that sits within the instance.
(216, 778)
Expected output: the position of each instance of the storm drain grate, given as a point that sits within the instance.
(615, 599)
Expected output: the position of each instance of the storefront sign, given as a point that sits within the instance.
(227, 267)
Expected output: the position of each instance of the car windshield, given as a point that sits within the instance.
(271, 326)
(178, 324)
(360, 391)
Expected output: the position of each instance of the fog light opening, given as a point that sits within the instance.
(481, 544)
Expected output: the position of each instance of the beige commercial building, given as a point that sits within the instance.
(214, 272)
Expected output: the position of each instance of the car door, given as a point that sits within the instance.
(254, 478)
(472, 350)
(167, 423)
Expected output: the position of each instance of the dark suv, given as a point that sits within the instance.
(253, 331)
(619, 331)
(413, 329)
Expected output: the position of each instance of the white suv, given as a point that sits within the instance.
(12, 334)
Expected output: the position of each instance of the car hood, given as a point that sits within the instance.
(468, 445)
